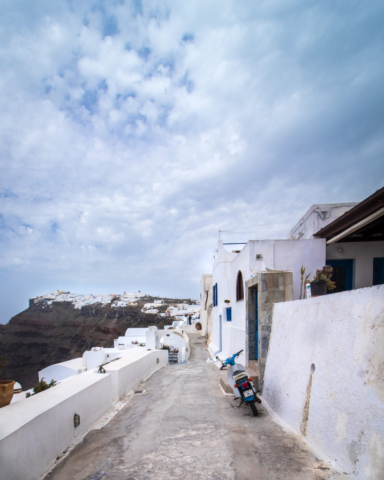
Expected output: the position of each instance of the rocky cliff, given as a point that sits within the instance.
(51, 331)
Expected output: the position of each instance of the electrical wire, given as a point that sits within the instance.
(255, 226)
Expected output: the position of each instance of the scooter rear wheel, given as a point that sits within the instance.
(254, 409)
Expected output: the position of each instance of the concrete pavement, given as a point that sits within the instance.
(184, 427)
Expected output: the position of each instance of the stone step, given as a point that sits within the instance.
(253, 370)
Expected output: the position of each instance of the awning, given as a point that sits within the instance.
(363, 223)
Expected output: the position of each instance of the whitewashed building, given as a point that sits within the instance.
(349, 237)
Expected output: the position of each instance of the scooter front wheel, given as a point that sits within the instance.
(254, 409)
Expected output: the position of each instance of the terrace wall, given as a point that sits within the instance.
(324, 376)
(34, 432)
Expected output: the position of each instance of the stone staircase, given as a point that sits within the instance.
(173, 357)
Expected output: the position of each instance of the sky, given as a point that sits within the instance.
(132, 131)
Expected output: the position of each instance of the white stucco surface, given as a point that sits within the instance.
(34, 432)
(283, 255)
(339, 408)
(206, 304)
(129, 371)
(318, 217)
(136, 334)
(60, 371)
(94, 357)
(39, 429)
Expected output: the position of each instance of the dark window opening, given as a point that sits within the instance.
(239, 287)
(378, 271)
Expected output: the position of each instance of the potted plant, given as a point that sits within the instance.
(322, 282)
(6, 387)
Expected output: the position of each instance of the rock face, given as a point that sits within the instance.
(45, 334)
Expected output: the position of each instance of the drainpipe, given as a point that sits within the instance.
(273, 255)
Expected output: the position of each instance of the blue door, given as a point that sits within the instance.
(256, 325)
(378, 271)
(342, 274)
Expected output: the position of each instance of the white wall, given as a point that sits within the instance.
(341, 411)
(221, 276)
(137, 334)
(135, 366)
(34, 432)
(363, 254)
(206, 304)
(95, 357)
(60, 371)
(318, 217)
(292, 254)
(288, 255)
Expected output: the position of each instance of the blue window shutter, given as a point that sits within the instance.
(229, 314)
(378, 271)
(216, 296)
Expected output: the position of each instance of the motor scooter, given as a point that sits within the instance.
(240, 382)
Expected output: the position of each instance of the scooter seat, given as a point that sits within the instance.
(239, 376)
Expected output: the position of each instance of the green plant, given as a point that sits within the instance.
(324, 275)
(304, 280)
(3, 363)
(43, 385)
(165, 347)
(227, 301)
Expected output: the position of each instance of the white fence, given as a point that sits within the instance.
(325, 376)
(36, 431)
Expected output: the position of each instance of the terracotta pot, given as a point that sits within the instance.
(6, 392)
(198, 326)
(318, 288)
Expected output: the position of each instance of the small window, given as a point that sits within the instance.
(214, 295)
(239, 287)
(229, 314)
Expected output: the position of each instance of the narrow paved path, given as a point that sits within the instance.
(184, 427)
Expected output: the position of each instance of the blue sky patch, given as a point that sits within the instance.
(110, 26)
(90, 100)
(188, 37)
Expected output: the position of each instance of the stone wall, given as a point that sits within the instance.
(273, 287)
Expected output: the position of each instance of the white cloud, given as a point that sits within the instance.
(130, 136)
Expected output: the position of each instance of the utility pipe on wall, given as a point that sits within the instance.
(273, 255)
